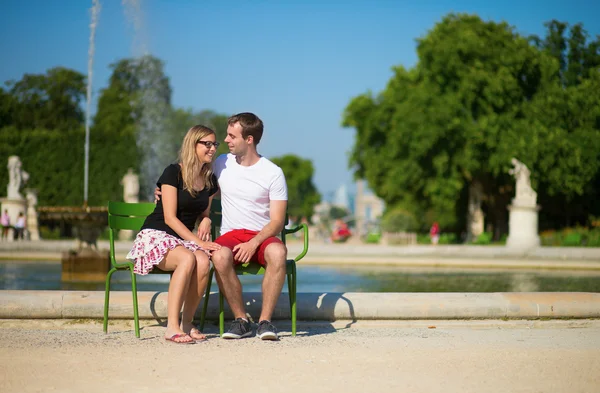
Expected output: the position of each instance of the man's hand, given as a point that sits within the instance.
(204, 229)
(157, 194)
(243, 252)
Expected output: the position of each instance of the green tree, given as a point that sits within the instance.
(134, 110)
(566, 114)
(302, 194)
(6, 106)
(577, 57)
(181, 120)
(54, 161)
(473, 101)
(51, 101)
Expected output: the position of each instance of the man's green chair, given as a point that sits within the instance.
(254, 269)
(130, 216)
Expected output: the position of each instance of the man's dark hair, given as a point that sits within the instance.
(251, 125)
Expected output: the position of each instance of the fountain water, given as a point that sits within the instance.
(86, 262)
(153, 102)
(95, 11)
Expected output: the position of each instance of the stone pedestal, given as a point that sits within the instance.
(85, 265)
(14, 207)
(125, 234)
(523, 226)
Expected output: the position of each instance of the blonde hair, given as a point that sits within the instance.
(191, 167)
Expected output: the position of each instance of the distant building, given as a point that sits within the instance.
(368, 208)
(341, 198)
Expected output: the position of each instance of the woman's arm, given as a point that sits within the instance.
(169, 200)
(205, 224)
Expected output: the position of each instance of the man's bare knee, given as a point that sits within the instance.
(276, 254)
(222, 259)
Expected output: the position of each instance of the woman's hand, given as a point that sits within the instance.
(210, 246)
(204, 229)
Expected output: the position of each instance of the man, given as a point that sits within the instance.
(254, 202)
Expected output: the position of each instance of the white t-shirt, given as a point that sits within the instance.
(246, 192)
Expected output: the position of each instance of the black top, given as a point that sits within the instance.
(188, 207)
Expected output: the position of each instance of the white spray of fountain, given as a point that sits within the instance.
(153, 102)
(95, 11)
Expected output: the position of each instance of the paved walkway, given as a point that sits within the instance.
(374, 356)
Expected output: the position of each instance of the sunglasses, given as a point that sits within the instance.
(209, 144)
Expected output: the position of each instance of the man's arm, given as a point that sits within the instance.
(243, 252)
(274, 227)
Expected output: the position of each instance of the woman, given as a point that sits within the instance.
(166, 240)
(5, 223)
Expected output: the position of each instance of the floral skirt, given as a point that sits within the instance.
(150, 247)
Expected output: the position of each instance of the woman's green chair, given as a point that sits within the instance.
(130, 216)
(254, 269)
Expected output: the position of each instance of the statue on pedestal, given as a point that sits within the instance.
(17, 177)
(524, 195)
(523, 213)
(131, 187)
(14, 203)
(131, 191)
(475, 216)
(32, 218)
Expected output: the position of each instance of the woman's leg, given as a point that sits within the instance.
(195, 292)
(181, 262)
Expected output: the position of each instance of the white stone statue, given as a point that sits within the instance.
(131, 191)
(131, 187)
(32, 219)
(524, 195)
(475, 216)
(17, 177)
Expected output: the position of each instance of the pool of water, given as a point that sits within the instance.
(47, 276)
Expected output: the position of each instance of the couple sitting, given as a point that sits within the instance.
(254, 202)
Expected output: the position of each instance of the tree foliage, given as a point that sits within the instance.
(41, 120)
(302, 193)
(46, 101)
(480, 95)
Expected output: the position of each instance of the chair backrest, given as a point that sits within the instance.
(122, 215)
(216, 217)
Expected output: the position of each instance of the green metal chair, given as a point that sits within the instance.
(130, 216)
(254, 269)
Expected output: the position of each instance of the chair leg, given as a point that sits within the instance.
(221, 315)
(136, 318)
(107, 298)
(289, 283)
(293, 297)
(206, 296)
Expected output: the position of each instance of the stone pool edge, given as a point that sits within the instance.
(15, 304)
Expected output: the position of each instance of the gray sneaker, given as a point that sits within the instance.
(238, 329)
(266, 331)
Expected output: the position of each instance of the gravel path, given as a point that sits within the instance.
(365, 356)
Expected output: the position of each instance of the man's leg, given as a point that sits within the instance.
(228, 281)
(275, 255)
(230, 286)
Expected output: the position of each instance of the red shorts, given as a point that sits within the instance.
(238, 236)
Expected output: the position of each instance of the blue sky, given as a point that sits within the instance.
(294, 63)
